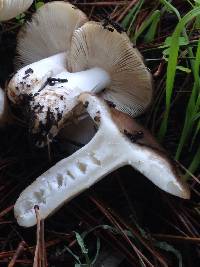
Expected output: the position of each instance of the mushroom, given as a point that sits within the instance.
(49, 32)
(11, 8)
(100, 57)
(8, 10)
(119, 141)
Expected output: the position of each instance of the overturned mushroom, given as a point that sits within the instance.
(49, 32)
(11, 8)
(101, 57)
(119, 141)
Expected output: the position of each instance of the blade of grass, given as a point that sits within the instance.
(128, 21)
(196, 131)
(151, 21)
(192, 108)
(195, 164)
(151, 33)
(84, 250)
(171, 67)
(170, 7)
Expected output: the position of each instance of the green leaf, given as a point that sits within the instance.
(38, 4)
(171, 8)
(154, 16)
(181, 41)
(130, 18)
(184, 69)
(97, 252)
(153, 21)
(166, 52)
(167, 247)
(195, 164)
(84, 250)
(192, 108)
(171, 67)
(81, 243)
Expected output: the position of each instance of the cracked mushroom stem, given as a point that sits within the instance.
(11, 8)
(109, 150)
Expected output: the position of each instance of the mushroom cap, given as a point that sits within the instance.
(11, 8)
(49, 32)
(99, 45)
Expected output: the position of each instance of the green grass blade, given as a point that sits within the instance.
(192, 108)
(150, 35)
(81, 244)
(130, 18)
(196, 132)
(171, 67)
(97, 251)
(195, 164)
(171, 8)
(152, 20)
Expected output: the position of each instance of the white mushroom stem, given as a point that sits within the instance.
(108, 150)
(92, 80)
(30, 79)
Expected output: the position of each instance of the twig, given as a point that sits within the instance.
(113, 221)
(37, 262)
(19, 250)
(106, 3)
(175, 238)
(126, 10)
(7, 210)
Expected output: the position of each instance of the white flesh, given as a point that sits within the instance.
(30, 78)
(91, 80)
(108, 150)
